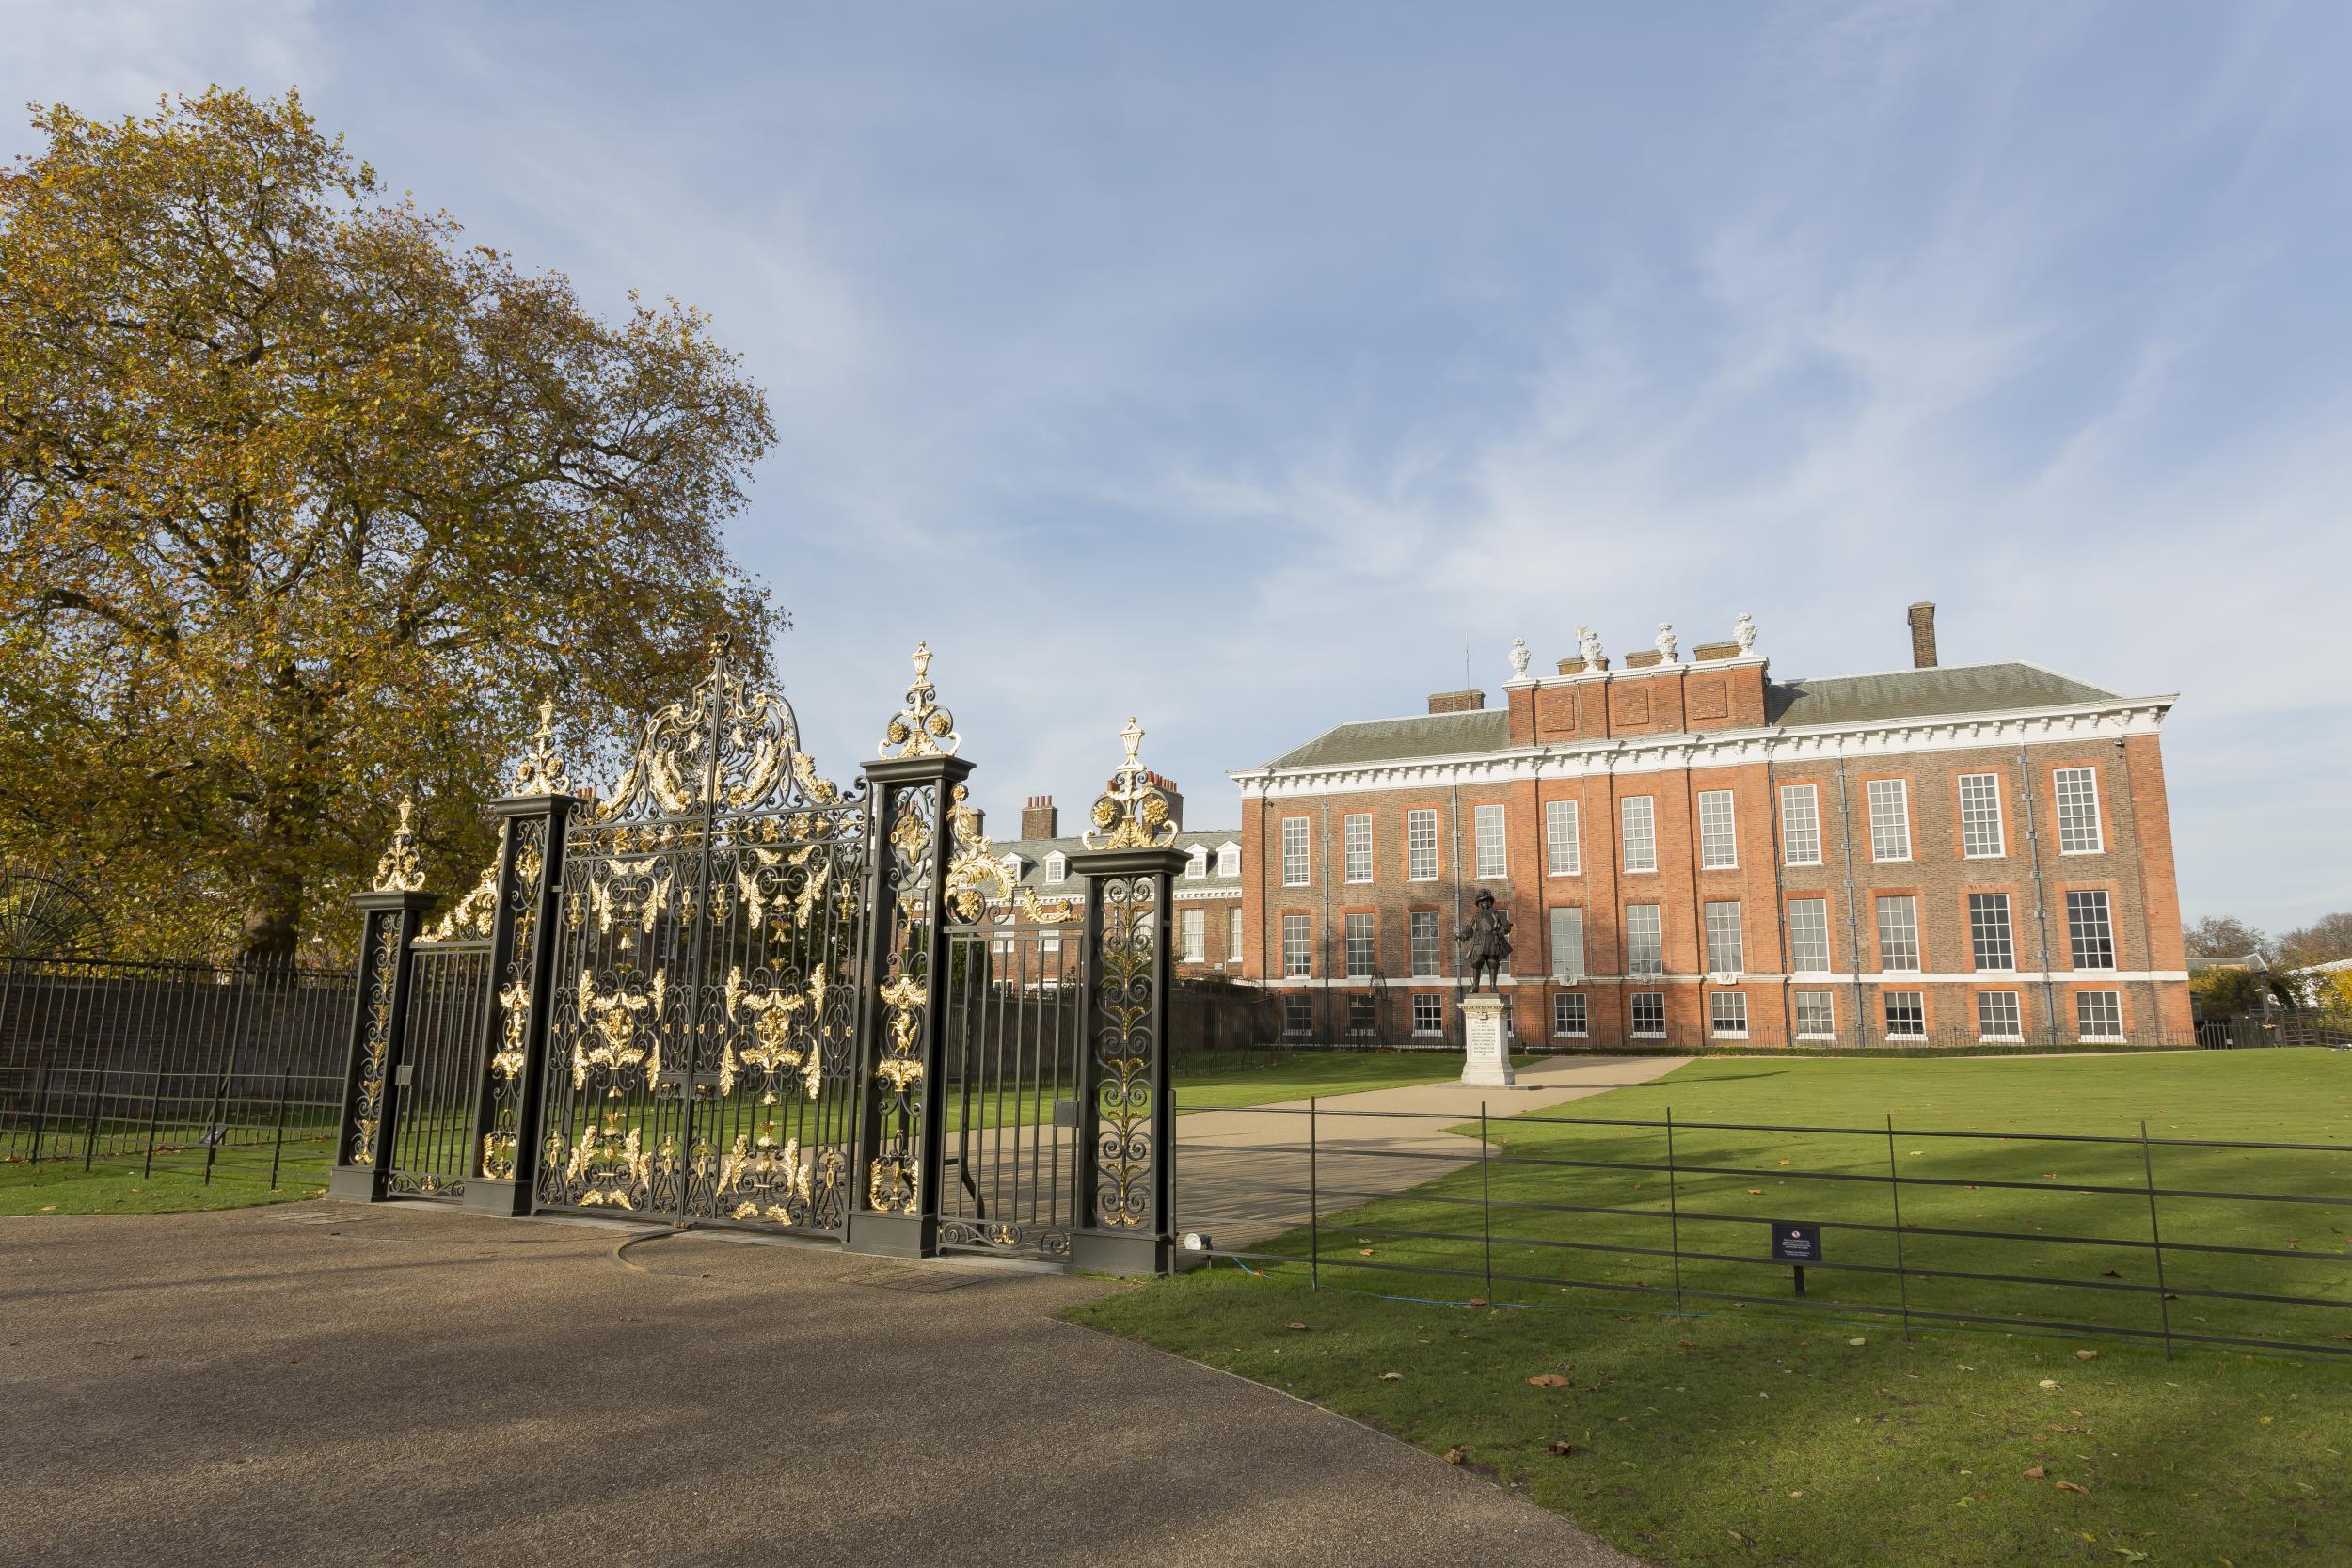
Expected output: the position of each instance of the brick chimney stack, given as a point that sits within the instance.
(1039, 820)
(1922, 619)
(1457, 702)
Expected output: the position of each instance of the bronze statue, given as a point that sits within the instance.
(1487, 942)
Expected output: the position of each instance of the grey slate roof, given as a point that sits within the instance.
(1925, 694)
(1829, 700)
(1434, 734)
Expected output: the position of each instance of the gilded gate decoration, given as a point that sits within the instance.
(701, 1040)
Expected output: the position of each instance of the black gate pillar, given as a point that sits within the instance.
(1127, 1139)
(902, 1024)
(393, 911)
(513, 1056)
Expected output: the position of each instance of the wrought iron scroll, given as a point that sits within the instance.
(895, 1181)
(379, 983)
(525, 865)
(708, 956)
(1126, 985)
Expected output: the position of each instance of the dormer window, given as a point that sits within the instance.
(1013, 870)
(1057, 866)
(1198, 864)
(1229, 860)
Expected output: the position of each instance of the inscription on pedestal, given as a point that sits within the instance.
(1486, 1036)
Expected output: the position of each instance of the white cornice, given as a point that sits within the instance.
(2073, 722)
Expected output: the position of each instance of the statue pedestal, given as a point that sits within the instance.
(1486, 1036)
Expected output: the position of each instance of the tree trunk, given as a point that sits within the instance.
(272, 908)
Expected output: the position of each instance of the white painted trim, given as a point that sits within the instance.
(2068, 725)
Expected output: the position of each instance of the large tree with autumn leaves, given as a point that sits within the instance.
(306, 503)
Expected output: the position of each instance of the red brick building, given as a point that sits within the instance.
(1693, 852)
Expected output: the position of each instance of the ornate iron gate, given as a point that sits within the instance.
(1015, 1056)
(734, 993)
(433, 1125)
(702, 1038)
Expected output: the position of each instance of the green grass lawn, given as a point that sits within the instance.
(1757, 1432)
(119, 1185)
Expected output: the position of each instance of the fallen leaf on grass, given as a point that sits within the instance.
(1753, 1192)
(1475, 1301)
(1300, 1326)
(2085, 1356)
(2049, 1382)
(1857, 1341)
(2037, 1473)
(1391, 1377)
(1363, 1252)
(1550, 1380)
(1688, 1345)
(2110, 1273)
(1454, 1455)
(1562, 1446)
(48, 1208)
(1741, 1539)
(2071, 1486)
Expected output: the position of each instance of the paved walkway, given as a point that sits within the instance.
(330, 1385)
(1243, 1176)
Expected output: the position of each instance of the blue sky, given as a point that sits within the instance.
(1236, 366)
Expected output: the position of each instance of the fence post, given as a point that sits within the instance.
(1895, 1191)
(391, 912)
(903, 1009)
(2155, 1234)
(1126, 1152)
(1486, 1208)
(277, 1144)
(511, 1070)
(1314, 1205)
(41, 1111)
(155, 1104)
(1674, 1209)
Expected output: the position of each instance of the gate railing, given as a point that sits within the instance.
(682, 1071)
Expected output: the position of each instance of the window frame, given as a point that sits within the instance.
(1431, 1003)
(1298, 960)
(1800, 1000)
(1416, 819)
(1054, 868)
(1370, 934)
(1192, 934)
(1416, 920)
(1564, 824)
(2104, 904)
(1715, 922)
(1899, 823)
(1979, 930)
(1881, 904)
(1649, 804)
(1635, 1006)
(1574, 915)
(2114, 999)
(1717, 1028)
(1299, 1013)
(1656, 934)
(1303, 849)
(1351, 854)
(1812, 794)
(2088, 798)
(1562, 1003)
(1482, 814)
(1985, 1034)
(1726, 829)
(1991, 807)
(1829, 955)
(1918, 1003)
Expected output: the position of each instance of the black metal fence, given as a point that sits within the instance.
(2163, 1239)
(2278, 1029)
(184, 1065)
